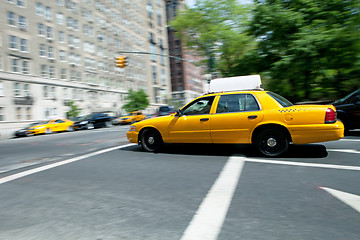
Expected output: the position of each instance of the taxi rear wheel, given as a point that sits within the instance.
(151, 140)
(271, 142)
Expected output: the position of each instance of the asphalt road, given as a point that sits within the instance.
(94, 185)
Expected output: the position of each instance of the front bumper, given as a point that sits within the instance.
(132, 136)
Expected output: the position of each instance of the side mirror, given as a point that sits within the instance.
(178, 113)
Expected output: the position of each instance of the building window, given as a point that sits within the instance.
(149, 9)
(18, 113)
(28, 113)
(61, 36)
(2, 118)
(49, 32)
(52, 72)
(163, 77)
(51, 52)
(39, 9)
(60, 18)
(41, 29)
(23, 45)
(22, 22)
(62, 55)
(20, 3)
(43, 71)
(42, 50)
(48, 13)
(11, 19)
(26, 90)
(60, 2)
(63, 75)
(25, 67)
(15, 65)
(13, 42)
(45, 92)
(154, 75)
(17, 91)
(53, 93)
(1, 89)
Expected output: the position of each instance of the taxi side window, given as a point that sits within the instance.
(198, 107)
(237, 103)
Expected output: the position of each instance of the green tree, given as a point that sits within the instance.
(216, 29)
(308, 48)
(74, 110)
(136, 100)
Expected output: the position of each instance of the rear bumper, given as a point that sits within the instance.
(317, 133)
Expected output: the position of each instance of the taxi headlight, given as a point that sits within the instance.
(39, 127)
(132, 128)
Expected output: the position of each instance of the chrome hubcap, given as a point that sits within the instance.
(271, 142)
(151, 140)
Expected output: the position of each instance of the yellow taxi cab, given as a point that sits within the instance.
(131, 117)
(50, 126)
(262, 118)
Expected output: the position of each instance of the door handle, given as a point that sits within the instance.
(204, 119)
(252, 117)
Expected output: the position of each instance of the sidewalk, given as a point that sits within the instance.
(7, 129)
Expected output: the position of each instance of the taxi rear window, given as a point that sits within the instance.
(283, 101)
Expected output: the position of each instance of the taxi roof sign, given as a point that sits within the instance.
(240, 83)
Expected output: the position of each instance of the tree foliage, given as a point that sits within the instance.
(216, 29)
(304, 49)
(309, 48)
(136, 100)
(74, 110)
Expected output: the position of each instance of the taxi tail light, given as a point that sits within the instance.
(330, 116)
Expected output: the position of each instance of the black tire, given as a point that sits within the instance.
(271, 142)
(48, 131)
(151, 140)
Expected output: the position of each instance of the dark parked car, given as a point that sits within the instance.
(95, 120)
(165, 110)
(348, 110)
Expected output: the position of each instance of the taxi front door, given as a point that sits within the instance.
(193, 124)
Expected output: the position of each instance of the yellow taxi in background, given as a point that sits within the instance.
(131, 117)
(262, 118)
(50, 126)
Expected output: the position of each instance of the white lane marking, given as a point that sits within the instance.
(302, 164)
(350, 199)
(209, 218)
(344, 150)
(350, 140)
(57, 164)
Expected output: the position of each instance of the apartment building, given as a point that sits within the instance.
(186, 77)
(52, 52)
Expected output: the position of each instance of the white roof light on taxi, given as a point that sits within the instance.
(240, 83)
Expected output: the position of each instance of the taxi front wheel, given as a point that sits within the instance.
(151, 140)
(271, 142)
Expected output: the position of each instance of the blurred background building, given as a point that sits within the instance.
(185, 75)
(55, 51)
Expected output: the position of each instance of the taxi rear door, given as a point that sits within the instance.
(235, 117)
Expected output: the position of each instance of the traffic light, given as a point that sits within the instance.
(121, 61)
